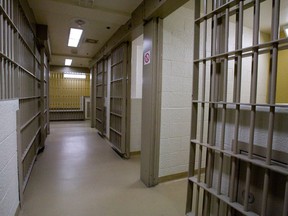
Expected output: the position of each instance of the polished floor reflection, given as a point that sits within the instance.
(80, 175)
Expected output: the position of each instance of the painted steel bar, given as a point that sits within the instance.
(1, 32)
(224, 98)
(202, 107)
(217, 11)
(212, 99)
(253, 98)
(231, 5)
(223, 198)
(194, 108)
(243, 105)
(209, 153)
(236, 97)
(285, 207)
(203, 84)
(254, 161)
(272, 97)
(248, 51)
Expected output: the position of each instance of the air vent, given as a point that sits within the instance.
(80, 22)
(91, 41)
(86, 3)
(74, 51)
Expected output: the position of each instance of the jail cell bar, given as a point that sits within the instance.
(118, 97)
(205, 193)
(22, 66)
(100, 96)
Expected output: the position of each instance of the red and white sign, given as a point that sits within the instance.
(147, 57)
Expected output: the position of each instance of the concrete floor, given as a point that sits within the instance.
(80, 175)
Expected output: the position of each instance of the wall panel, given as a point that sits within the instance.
(66, 95)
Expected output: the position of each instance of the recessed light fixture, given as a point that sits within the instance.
(75, 75)
(286, 30)
(68, 62)
(74, 37)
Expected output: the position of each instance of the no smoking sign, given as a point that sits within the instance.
(147, 57)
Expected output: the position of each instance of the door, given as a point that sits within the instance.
(87, 107)
(238, 165)
(100, 96)
(118, 99)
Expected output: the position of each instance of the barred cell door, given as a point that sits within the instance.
(100, 117)
(118, 99)
(239, 153)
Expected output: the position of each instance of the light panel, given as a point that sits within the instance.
(68, 62)
(74, 37)
(74, 76)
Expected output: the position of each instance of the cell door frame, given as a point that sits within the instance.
(204, 188)
(99, 97)
(122, 129)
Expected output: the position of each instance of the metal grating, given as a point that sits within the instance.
(228, 174)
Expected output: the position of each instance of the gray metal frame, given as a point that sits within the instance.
(151, 103)
(204, 192)
(118, 99)
(100, 115)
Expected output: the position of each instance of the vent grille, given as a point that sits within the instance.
(86, 3)
(91, 41)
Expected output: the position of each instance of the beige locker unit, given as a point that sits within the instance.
(239, 142)
(23, 75)
(118, 99)
(100, 121)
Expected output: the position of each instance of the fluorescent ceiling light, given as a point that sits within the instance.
(68, 62)
(74, 76)
(286, 30)
(74, 37)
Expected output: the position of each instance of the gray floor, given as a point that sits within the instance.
(80, 175)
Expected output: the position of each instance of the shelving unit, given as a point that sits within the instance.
(239, 178)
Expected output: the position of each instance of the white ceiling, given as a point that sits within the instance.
(60, 15)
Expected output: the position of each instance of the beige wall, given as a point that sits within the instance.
(176, 91)
(282, 77)
(65, 93)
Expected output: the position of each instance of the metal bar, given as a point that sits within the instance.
(245, 106)
(272, 97)
(285, 207)
(253, 97)
(202, 106)
(265, 192)
(209, 162)
(210, 154)
(248, 51)
(225, 78)
(242, 157)
(236, 95)
(194, 108)
(223, 198)
(212, 99)
(216, 11)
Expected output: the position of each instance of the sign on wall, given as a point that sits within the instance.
(147, 57)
